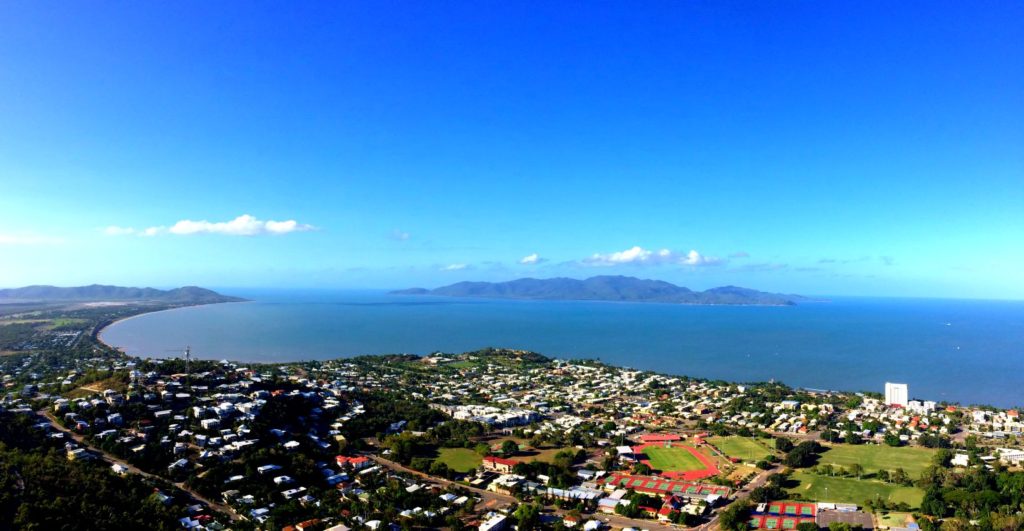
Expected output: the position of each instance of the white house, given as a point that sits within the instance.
(960, 460)
(1011, 456)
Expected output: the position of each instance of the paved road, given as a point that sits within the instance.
(485, 495)
(742, 494)
(109, 458)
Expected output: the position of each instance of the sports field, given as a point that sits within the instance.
(459, 459)
(742, 448)
(675, 459)
(848, 490)
(874, 457)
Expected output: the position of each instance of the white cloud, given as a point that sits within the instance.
(244, 225)
(695, 258)
(114, 230)
(454, 267)
(29, 239)
(635, 254)
(639, 255)
(400, 235)
(531, 259)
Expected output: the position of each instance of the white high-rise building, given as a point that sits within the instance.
(896, 394)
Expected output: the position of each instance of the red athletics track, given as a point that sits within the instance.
(710, 468)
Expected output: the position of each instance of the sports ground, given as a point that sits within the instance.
(742, 448)
(459, 459)
(677, 461)
(851, 490)
(874, 457)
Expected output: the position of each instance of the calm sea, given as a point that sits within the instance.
(955, 350)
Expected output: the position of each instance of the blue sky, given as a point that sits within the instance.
(858, 148)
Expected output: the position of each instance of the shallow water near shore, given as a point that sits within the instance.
(954, 350)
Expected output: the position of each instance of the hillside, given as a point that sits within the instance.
(97, 292)
(606, 288)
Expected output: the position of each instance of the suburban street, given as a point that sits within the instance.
(108, 458)
(492, 499)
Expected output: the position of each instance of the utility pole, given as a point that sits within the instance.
(188, 369)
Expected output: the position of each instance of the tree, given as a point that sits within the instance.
(736, 517)
(420, 463)
(929, 440)
(943, 457)
(955, 524)
(439, 468)
(807, 526)
(527, 516)
(900, 476)
(803, 455)
(608, 462)
(932, 504)
(892, 438)
(767, 493)
(509, 448)
(857, 470)
(783, 444)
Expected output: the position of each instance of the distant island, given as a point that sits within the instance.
(96, 292)
(607, 288)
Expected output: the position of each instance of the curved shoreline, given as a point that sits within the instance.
(98, 333)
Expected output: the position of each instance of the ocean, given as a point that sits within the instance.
(964, 351)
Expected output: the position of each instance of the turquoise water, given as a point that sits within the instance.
(844, 344)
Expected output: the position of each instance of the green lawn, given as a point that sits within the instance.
(742, 448)
(459, 459)
(894, 519)
(64, 322)
(849, 490)
(873, 457)
(672, 459)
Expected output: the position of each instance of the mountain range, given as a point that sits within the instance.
(97, 292)
(607, 288)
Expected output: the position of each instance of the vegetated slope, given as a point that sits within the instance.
(97, 292)
(606, 288)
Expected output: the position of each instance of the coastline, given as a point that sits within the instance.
(681, 346)
(98, 333)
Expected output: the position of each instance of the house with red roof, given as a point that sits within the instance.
(499, 464)
(357, 463)
(653, 438)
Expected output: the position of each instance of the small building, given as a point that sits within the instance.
(499, 464)
(1011, 456)
(356, 463)
(79, 454)
(498, 522)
